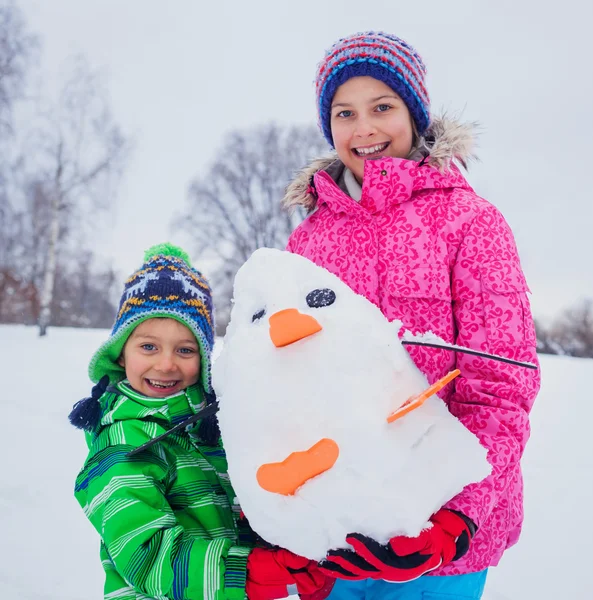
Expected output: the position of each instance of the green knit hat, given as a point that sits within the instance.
(165, 286)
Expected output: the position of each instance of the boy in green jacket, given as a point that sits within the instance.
(167, 515)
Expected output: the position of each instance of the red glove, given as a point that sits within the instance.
(403, 558)
(270, 572)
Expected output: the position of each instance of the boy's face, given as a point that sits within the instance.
(161, 357)
(368, 121)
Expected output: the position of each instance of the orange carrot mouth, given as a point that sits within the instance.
(288, 476)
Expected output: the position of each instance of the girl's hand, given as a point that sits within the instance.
(403, 558)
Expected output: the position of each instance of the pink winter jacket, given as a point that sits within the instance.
(427, 250)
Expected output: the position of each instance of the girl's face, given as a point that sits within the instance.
(161, 358)
(369, 121)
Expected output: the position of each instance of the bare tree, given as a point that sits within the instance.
(235, 208)
(17, 50)
(81, 152)
(19, 258)
(57, 172)
(573, 330)
(546, 343)
(85, 295)
(570, 334)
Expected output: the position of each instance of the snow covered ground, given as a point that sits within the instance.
(50, 552)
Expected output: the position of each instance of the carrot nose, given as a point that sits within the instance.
(288, 476)
(289, 326)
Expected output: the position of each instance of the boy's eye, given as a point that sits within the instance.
(187, 351)
(321, 298)
(258, 315)
(148, 347)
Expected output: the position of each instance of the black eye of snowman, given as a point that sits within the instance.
(258, 315)
(321, 298)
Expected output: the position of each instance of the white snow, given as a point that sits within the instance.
(49, 551)
(427, 336)
(340, 383)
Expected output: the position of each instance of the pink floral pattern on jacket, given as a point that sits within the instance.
(425, 249)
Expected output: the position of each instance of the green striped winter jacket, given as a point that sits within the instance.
(166, 516)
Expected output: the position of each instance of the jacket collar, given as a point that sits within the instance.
(130, 404)
(386, 182)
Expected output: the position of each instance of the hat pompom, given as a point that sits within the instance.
(86, 413)
(167, 249)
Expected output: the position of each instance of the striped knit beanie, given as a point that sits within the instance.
(375, 54)
(166, 285)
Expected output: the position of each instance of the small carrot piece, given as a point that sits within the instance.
(419, 399)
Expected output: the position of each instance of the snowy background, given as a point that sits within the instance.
(50, 551)
(183, 74)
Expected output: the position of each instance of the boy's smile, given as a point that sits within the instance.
(369, 121)
(161, 358)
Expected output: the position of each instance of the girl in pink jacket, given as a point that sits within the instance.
(391, 215)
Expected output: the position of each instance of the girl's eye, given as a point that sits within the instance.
(258, 315)
(383, 107)
(148, 347)
(344, 114)
(321, 298)
(187, 351)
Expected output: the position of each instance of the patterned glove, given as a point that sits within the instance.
(403, 558)
(270, 573)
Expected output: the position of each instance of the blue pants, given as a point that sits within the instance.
(451, 587)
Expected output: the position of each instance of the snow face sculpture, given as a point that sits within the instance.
(308, 374)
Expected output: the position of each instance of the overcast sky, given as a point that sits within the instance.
(182, 73)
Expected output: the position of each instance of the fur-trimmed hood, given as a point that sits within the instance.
(445, 141)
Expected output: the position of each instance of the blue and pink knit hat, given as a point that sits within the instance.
(375, 54)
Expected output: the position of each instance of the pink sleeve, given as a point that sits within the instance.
(297, 242)
(493, 399)
(290, 243)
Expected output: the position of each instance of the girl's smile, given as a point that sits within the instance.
(376, 150)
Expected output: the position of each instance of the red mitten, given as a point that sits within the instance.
(271, 572)
(403, 558)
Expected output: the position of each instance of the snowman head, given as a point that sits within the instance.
(288, 298)
(290, 315)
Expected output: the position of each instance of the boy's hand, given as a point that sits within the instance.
(403, 558)
(271, 572)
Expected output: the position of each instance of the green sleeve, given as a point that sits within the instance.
(124, 498)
